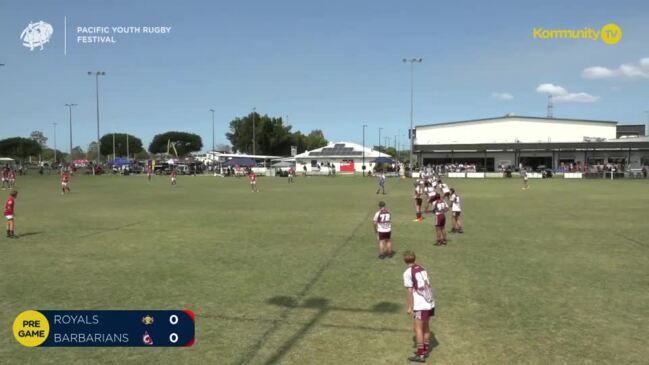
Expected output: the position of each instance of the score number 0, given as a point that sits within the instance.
(173, 337)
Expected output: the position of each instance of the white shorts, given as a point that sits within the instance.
(253, 183)
(9, 217)
(64, 184)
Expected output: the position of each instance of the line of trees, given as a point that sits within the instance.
(273, 137)
(134, 144)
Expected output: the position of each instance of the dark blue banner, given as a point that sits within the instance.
(105, 328)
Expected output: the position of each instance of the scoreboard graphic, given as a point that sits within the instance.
(105, 328)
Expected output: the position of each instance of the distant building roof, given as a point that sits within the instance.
(340, 150)
(519, 117)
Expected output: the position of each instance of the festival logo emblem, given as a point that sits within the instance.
(36, 35)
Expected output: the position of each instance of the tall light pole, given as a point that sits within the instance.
(114, 157)
(380, 129)
(70, 109)
(411, 133)
(97, 74)
(254, 136)
(363, 167)
(646, 133)
(54, 142)
(128, 158)
(212, 110)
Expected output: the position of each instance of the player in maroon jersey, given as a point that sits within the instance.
(253, 181)
(419, 191)
(440, 208)
(12, 179)
(173, 177)
(65, 182)
(421, 304)
(383, 229)
(9, 214)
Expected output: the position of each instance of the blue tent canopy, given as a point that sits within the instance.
(383, 160)
(120, 162)
(241, 161)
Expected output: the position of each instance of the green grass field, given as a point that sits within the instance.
(558, 274)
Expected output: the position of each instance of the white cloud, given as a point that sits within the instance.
(627, 70)
(560, 94)
(502, 96)
(551, 89)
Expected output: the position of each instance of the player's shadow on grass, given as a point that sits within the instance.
(323, 307)
(27, 234)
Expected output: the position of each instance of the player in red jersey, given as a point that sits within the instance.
(149, 172)
(173, 177)
(12, 179)
(419, 191)
(65, 182)
(421, 304)
(253, 181)
(9, 214)
(440, 208)
(291, 175)
(383, 229)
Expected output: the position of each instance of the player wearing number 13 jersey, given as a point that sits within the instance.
(421, 303)
(383, 228)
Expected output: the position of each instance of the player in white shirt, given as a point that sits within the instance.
(456, 210)
(419, 192)
(525, 183)
(383, 229)
(446, 191)
(421, 304)
(429, 191)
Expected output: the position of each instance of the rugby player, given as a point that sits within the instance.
(253, 181)
(456, 211)
(12, 179)
(173, 177)
(5, 178)
(291, 175)
(419, 190)
(429, 192)
(525, 183)
(381, 183)
(446, 191)
(10, 205)
(65, 182)
(440, 208)
(421, 304)
(383, 230)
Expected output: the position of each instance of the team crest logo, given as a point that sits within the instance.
(147, 320)
(146, 339)
(36, 35)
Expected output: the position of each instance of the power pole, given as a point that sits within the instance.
(254, 137)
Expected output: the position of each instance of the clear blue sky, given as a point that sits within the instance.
(333, 64)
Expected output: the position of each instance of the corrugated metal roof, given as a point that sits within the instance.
(521, 117)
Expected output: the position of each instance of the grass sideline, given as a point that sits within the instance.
(554, 274)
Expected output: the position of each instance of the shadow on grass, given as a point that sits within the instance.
(323, 307)
(27, 234)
